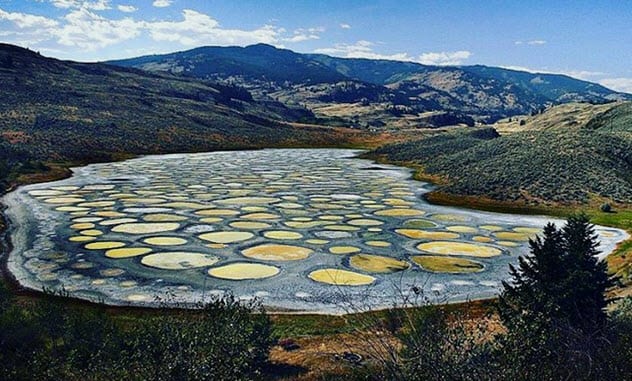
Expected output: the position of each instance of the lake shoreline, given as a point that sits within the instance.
(33, 292)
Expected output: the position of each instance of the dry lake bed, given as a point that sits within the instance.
(300, 229)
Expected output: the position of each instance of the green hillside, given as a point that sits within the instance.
(531, 167)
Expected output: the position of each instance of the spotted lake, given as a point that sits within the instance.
(300, 229)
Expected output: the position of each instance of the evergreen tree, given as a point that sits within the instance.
(554, 306)
(561, 281)
(584, 301)
(532, 294)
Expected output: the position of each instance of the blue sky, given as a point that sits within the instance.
(591, 40)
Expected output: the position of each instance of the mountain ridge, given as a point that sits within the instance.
(395, 93)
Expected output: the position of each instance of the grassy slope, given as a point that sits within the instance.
(535, 167)
(571, 115)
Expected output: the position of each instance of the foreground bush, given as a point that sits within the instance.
(226, 341)
(47, 340)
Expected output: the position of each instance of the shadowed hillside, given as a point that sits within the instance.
(55, 110)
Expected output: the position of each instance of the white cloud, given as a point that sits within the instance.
(89, 31)
(162, 3)
(127, 8)
(361, 49)
(579, 74)
(65, 3)
(301, 37)
(97, 5)
(301, 34)
(530, 42)
(200, 29)
(365, 49)
(583, 74)
(444, 58)
(23, 20)
(618, 84)
(345, 26)
(25, 29)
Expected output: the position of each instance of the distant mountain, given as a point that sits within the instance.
(54, 110)
(262, 62)
(365, 92)
(556, 87)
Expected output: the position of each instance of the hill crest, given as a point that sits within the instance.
(374, 93)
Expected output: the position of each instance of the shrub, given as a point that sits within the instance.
(48, 340)
(225, 341)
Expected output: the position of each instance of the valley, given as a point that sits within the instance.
(230, 171)
(548, 161)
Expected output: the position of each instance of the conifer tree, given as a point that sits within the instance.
(554, 308)
(561, 282)
(587, 280)
(531, 295)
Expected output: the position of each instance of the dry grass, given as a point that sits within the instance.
(571, 115)
(320, 355)
(345, 109)
(355, 138)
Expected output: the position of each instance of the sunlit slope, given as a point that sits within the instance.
(591, 160)
(566, 116)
